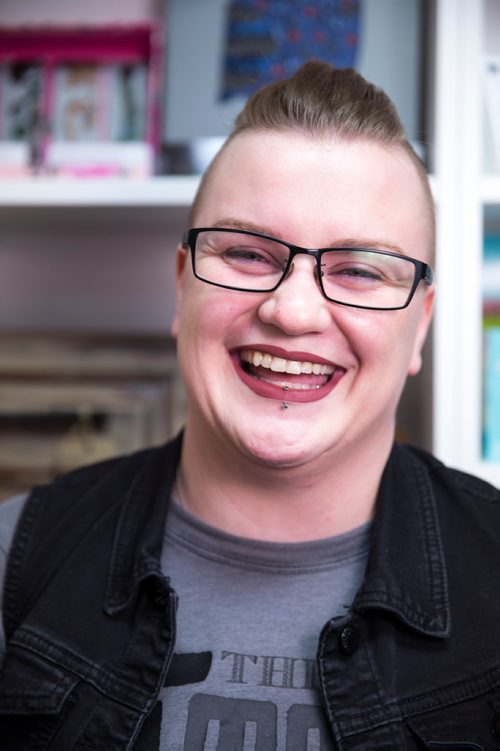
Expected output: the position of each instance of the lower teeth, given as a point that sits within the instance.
(292, 387)
(285, 385)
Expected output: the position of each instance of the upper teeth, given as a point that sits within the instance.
(280, 365)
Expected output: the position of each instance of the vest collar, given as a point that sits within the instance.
(406, 571)
(139, 533)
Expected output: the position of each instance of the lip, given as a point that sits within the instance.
(271, 391)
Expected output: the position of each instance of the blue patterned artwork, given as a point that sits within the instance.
(269, 39)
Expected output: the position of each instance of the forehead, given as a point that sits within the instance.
(314, 191)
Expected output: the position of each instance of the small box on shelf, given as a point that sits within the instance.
(82, 101)
(491, 323)
(491, 277)
(491, 431)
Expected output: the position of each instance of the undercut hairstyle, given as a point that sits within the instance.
(322, 102)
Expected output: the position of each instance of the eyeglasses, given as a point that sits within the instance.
(253, 262)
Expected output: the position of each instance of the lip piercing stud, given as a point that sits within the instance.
(284, 405)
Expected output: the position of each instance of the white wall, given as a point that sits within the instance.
(100, 269)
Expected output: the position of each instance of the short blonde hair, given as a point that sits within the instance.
(319, 100)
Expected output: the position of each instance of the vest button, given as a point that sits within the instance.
(348, 639)
(495, 727)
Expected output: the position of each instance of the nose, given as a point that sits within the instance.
(298, 305)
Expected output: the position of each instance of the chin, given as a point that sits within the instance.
(275, 451)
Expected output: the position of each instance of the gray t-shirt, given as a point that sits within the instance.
(10, 511)
(243, 675)
(249, 617)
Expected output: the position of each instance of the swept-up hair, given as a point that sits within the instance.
(322, 101)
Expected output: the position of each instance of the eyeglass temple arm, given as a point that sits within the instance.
(428, 275)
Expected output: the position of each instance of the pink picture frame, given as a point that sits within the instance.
(53, 49)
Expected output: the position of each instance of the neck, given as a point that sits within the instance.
(232, 492)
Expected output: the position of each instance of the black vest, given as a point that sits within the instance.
(84, 582)
(90, 618)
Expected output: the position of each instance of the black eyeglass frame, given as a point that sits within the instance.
(423, 272)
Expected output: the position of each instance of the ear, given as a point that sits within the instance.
(421, 333)
(180, 266)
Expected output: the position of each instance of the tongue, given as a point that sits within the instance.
(265, 374)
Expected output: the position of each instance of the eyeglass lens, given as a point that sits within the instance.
(356, 277)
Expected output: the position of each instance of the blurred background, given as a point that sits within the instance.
(108, 114)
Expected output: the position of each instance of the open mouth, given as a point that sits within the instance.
(292, 380)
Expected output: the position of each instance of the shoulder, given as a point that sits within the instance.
(468, 510)
(85, 507)
(10, 511)
(103, 483)
(76, 501)
(105, 480)
(452, 481)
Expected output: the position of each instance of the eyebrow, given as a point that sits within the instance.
(249, 226)
(343, 242)
(368, 244)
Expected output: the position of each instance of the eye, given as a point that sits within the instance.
(352, 272)
(238, 259)
(247, 254)
(365, 268)
(359, 272)
(252, 259)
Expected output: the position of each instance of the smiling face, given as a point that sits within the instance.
(340, 370)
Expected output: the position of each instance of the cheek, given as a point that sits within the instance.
(380, 340)
(364, 330)
(210, 315)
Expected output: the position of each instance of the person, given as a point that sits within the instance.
(283, 575)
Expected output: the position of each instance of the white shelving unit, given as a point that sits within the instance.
(464, 191)
(129, 193)
(490, 189)
(461, 190)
